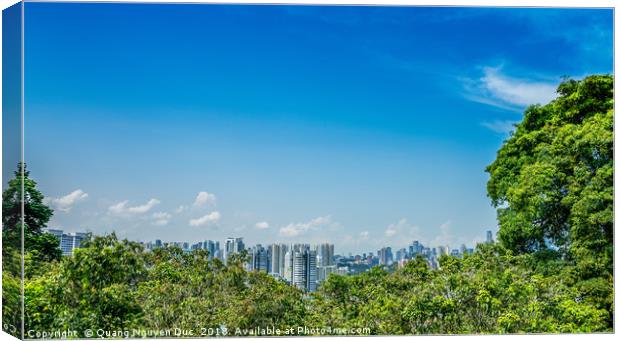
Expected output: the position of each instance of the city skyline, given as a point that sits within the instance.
(221, 248)
(361, 126)
(302, 265)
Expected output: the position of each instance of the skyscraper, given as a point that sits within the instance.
(213, 247)
(68, 241)
(325, 254)
(259, 260)
(304, 269)
(233, 245)
(276, 254)
(489, 236)
(415, 248)
(287, 272)
(385, 256)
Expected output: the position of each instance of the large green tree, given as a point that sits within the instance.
(36, 216)
(39, 248)
(552, 180)
(552, 184)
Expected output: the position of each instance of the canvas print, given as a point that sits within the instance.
(210, 170)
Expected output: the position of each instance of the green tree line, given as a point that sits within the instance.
(550, 272)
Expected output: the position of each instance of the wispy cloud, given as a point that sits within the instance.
(508, 92)
(296, 229)
(203, 199)
(445, 236)
(161, 218)
(402, 229)
(500, 126)
(65, 203)
(262, 225)
(121, 208)
(212, 217)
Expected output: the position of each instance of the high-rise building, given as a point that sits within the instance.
(311, 270)
(325, 254)
(233, 245)
(415, 248)
(68, 241)
(442, 250)
(213, 247)
(259, 260)
(276, 254)
(55, 232)
(489, 237)
(287, 272)
(463, 249)
(385, 256)
(324, 271)
(304, 269)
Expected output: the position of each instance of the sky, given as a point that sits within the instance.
(360, 126)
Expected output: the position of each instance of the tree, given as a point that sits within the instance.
(36, 217)
(94, 288)
(552, 184)
(552, 180)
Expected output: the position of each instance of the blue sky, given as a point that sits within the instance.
(362, 126)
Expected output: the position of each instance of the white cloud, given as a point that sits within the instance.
(445, 236)
(122, 209)
(262, 225)
(180, 209)
(507, 92)
(402, 229)
(364, 235)
(204, 198)
(65, 203)
(161, 218)
(391, 231)
(296, 229)
(206, 219)
(500, 126)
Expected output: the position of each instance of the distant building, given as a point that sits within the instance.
(385, 256)
(415, 248)
(232, 246)
(463, 249)
(324, 271)
(489, 237)
(276, 254)
(68, 241)
(214, 248)
(259, 261)
(304, 269)
(287, 272)
(325, 254)
(442, 250)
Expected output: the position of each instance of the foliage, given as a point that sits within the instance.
(39, 248)
(36, 213)
(552, 182)
(490, 291)
(551, 273)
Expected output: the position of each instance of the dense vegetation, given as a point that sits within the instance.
(552, 271)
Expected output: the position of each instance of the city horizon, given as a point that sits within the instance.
(482, 239)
